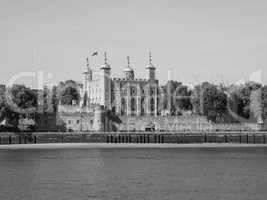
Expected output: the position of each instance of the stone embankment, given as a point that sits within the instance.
(135, 137)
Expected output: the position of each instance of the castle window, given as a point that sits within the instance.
(152, 106)
(142, 91)
(142, 106)
(123, 106)
(133, 106)
(124, 91)
(133, 91)
(69, 121)
(78, 121)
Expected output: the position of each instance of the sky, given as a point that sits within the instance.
(191, 40)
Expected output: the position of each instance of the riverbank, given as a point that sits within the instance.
(106, 145)
(135, 138)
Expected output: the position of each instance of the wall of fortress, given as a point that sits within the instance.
(179, 123)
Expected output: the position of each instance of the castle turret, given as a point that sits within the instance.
(87, 79)
(151, 69)
(98, 125)
(105, 83)
(128, 71)
(88, 71)
(87, 76)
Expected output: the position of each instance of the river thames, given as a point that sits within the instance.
(238, 173)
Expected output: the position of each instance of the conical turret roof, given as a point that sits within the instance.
(105, 65)
(128, 68)
(150, 65)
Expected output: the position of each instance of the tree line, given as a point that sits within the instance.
(218, 103)
(20, 101)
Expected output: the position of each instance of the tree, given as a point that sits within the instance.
(264, 102)
(2, 104)
(3, 109)
(240, 98)
(175, 97)
(196, 99)
(68, 91)
(55, 100)
(19, 100)
(22, 97)
(209, 100)
(182, 98)
(68, 95)
(50, 100)
(214, 103)
(170, 89)
(258, 105)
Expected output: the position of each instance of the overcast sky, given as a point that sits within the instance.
(196, 40)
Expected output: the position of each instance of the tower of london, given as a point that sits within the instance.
(128, 95)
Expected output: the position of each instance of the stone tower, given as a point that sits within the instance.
(87, 75)
(105, 83)
(98, 125)
(151, 69)
(128, 71)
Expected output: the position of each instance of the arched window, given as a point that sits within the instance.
(142, 106)
(123, 106)
(152, 105)
(113, 110)
(133, 106)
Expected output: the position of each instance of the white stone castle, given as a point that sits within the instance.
(123, 96)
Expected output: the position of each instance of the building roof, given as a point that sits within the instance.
(105, 65)
(128, 68)
(150, 65)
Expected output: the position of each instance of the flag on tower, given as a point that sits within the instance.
(94, 54)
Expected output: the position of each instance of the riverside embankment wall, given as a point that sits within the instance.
(126, 137)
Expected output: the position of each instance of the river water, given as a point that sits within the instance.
(134, 173)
